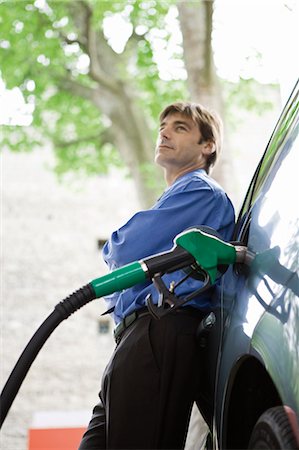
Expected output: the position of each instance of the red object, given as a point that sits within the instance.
(57, 430)
(55, 438)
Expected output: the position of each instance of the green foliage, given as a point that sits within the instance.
(85, 151)
(44, 43)
(39, 43)
(246, 95)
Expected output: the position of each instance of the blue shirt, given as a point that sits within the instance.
(193, 199)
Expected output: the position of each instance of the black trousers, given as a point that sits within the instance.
(149, 386)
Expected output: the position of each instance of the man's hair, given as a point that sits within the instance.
(209, 124)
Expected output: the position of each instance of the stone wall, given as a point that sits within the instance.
(49, 249)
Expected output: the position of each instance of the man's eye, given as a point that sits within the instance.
(181, 128)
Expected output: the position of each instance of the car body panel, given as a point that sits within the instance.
(258, 357)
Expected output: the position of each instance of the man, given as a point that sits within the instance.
(153, 377)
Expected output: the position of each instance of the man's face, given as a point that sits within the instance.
(178, 143)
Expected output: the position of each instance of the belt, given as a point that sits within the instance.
(131, 318)
(127, 321)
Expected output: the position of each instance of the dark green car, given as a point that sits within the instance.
(255, 344)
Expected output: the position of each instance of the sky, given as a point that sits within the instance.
(251, 38)
(258, 37)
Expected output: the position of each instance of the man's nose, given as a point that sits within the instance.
(165, 133)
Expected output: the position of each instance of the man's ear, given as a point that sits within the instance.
(208, 148)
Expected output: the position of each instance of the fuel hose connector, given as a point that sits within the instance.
(243, 255)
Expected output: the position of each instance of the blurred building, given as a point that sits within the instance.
(50, 237)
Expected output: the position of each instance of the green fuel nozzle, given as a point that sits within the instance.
(193, 246)
(208, 250)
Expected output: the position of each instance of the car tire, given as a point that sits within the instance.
(273, 431)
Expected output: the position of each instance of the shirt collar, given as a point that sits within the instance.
(188, 175)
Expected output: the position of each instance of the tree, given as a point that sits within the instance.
(203, 82)
(97, 104)
(89, 100)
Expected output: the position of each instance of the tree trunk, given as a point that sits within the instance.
(133, 139)
(196, 26)
(117, 100)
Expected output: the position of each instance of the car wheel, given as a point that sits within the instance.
(273, 431)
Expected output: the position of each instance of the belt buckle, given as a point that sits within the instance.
(118, 331)
(123, 325)
(130, 319)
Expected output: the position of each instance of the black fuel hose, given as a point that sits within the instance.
(61, 312)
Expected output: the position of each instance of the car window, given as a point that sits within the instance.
(269, 225)
(280, 143)
(274, 227)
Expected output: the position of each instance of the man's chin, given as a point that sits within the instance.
(162, 160)
(159, 159)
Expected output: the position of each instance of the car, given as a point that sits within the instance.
(253, 350)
